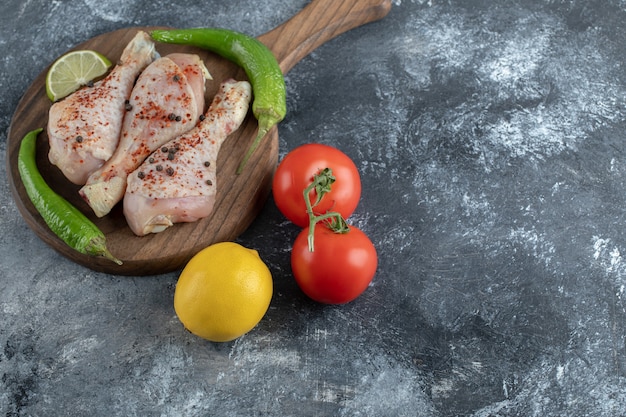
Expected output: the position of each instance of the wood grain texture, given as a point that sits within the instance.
(239, 197)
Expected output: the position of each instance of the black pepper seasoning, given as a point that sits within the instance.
(159, 168)
(79, 139)
(176, 78)
(170, 171)
(209, 182)
(207, 164)
(141, 175)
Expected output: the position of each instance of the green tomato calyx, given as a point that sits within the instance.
(321, 183)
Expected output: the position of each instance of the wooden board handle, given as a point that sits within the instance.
(319, 22)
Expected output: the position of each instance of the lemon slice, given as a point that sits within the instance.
(74, 70)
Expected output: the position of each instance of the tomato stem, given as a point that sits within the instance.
(322, 182)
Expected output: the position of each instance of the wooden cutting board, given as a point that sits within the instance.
(239, 197)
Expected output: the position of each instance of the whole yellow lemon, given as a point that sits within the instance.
(223, 292)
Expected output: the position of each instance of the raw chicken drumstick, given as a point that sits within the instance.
(167, 101)
(177, 183)
(84, 128)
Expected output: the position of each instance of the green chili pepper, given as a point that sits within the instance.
(268, 83)
(65, 220)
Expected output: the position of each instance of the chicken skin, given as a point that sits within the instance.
(167, 101)
(177, 183)
(84, 128)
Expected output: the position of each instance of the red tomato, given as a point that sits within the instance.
(295, 173)
(339, 269)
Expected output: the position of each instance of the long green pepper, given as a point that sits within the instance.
(65, 220)
(266, 78)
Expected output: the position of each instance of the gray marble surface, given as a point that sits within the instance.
(490, 138)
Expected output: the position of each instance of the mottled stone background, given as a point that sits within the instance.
(490, 139)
